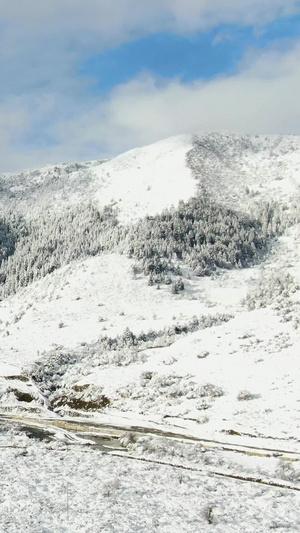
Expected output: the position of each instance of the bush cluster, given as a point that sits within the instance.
(271, 287)
(59, 366)
(202, 234)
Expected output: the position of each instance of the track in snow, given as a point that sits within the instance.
(106, 438)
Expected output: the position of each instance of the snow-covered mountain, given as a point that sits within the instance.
(139, 182)
(146, 180)
(161, 290)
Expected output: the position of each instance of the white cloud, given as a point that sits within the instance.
(146, 110)
(110, 19)
(263, 97)
(47, 114)
(203, 14)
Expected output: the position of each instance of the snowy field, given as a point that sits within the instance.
(54, 487)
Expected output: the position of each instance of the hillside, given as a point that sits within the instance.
(142, 181)
(157, 296)
(233, 168)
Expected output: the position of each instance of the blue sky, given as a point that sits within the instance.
(202, 55)
(167, 56)
(90, 80)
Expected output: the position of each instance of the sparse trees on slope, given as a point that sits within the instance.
(36, 248)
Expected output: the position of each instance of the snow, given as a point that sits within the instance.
(8, 370)
(233, 386)
(144, 181)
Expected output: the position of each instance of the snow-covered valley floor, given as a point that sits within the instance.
(54, 486)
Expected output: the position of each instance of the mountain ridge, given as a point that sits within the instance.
(218, 161)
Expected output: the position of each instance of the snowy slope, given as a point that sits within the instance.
(240, 169)
(142, 181)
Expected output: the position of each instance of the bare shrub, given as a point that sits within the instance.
(270, 288)
(209, 514)
(246, 395)
(211, 390)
